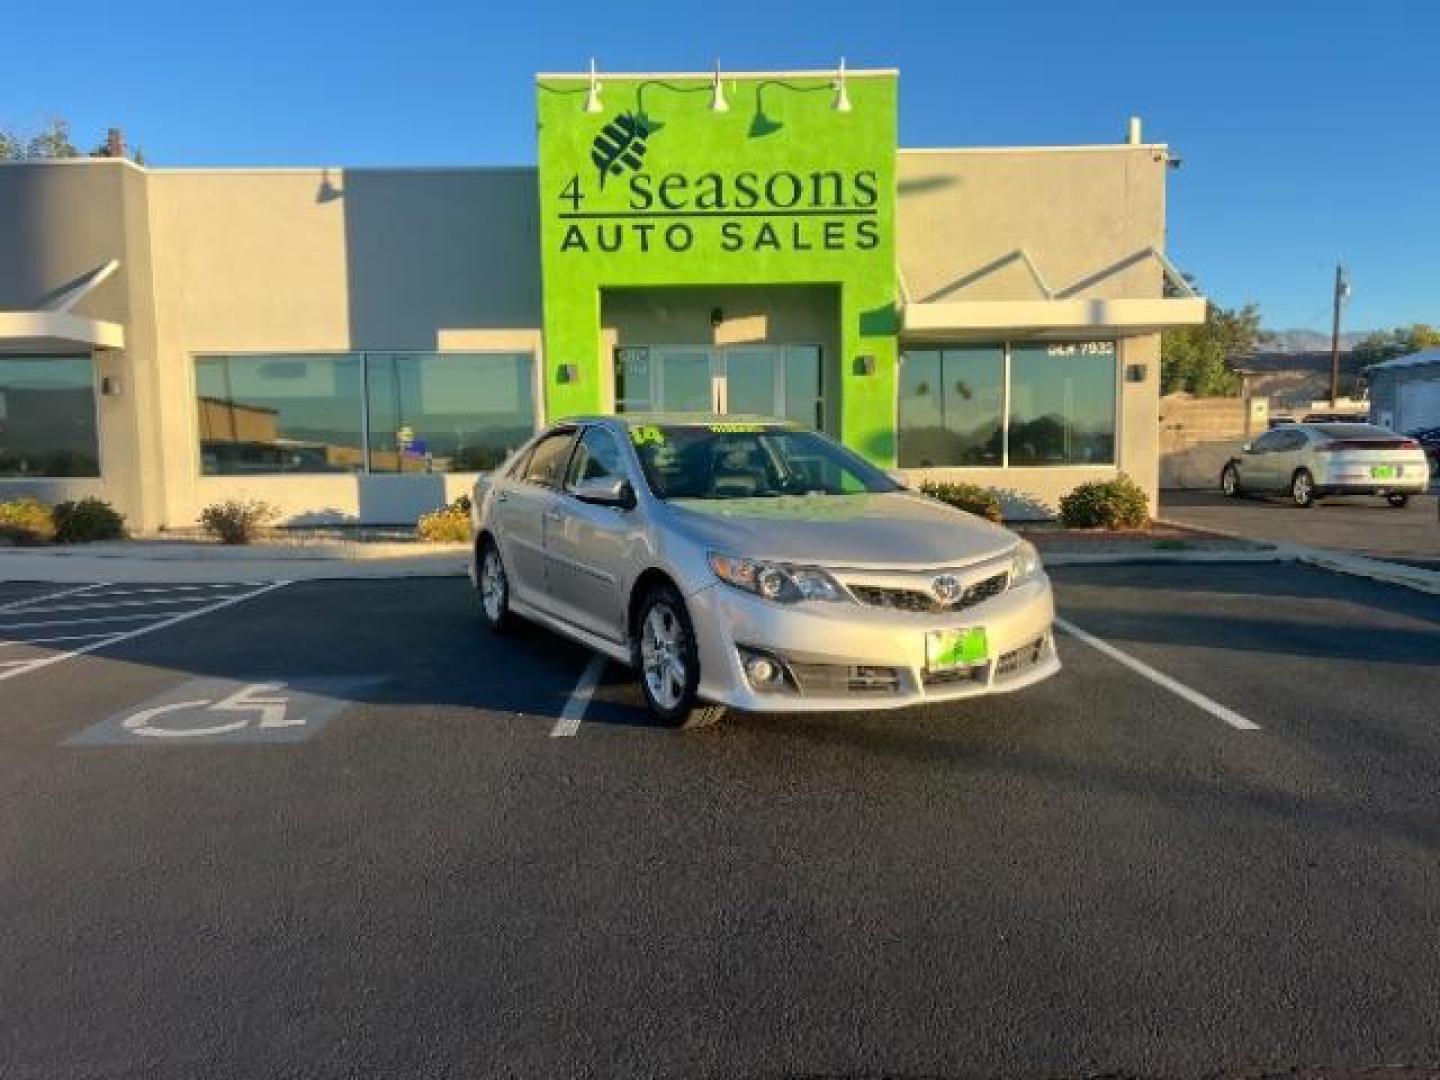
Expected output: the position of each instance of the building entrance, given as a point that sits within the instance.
(754, 380)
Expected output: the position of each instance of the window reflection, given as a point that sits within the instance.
(952, 405)
(47, 416)
(1062, 404)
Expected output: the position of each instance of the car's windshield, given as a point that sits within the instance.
(745, 461)
(1354, 431)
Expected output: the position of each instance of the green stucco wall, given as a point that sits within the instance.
(780, 189)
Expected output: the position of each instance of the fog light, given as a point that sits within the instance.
(762, 671)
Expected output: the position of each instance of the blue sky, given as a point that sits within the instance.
(1309, 131)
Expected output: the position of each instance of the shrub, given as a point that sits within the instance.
(86, 520)
(26, 522)
(448, 525)
(236, 521)
(1108, 504)
(972, 498)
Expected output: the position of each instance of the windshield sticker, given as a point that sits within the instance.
(739, 429)
(647, 435)
(789, 507)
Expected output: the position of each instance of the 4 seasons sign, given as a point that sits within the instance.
(659, 190)
(624, 205)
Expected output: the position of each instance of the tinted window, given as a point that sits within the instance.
(547, 461)
(596, 458)
(280, 414)
(952, 404)
(736, 461)
(447, 412)
(1354, 431)
(47, 416)
(1270, 441)
(1062, 404)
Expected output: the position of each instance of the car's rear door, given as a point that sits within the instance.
(521, 505)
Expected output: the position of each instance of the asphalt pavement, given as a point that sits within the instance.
(378, 858)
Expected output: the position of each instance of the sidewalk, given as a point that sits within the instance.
(143, 561)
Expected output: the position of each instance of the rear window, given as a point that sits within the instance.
(1354, 431)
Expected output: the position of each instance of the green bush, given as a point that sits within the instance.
(448, 525)
(972, 498)
(236, 521)
(86, 520)
(1108, 504)
(26, 522)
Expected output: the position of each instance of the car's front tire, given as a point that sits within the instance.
(1230, 482)
(1398, 500)
(669, 661)
(492, 586)
(1302, 489)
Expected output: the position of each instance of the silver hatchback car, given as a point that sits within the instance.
(758, 565)
(1308, 461)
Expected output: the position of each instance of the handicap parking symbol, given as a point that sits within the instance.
(225, 711)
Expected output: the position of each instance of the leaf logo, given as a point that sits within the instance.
(619, 146)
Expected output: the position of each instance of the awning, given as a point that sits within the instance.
(56, 331)
(1055, 313)
(54, 328)
(1042, 319)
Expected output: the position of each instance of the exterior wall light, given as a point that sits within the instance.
(111, 386)
(1136, 372)
(567, 373)
(592, 97)
(717, 95)
(717, 316)
(842, 96)
(865, 365)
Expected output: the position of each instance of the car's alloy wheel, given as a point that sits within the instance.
(1302, 488)
(669, 662)
(1397, 501)
(494, 588)
(1230, 481)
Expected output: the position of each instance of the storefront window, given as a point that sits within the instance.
(447, 412)
(47, 416)
(952, 406)
(1062, 404)
(280, 414)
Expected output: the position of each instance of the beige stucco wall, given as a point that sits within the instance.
(327, 260)
(1077, 212)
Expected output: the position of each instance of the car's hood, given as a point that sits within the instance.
(867, 531)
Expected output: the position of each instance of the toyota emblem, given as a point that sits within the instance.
(947, 588)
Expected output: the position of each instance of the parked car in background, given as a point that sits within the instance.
(1309, 461)
(755, 564)
(1429, 440)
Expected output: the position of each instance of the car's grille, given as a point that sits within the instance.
(915, 600)
(1020, 660)
(837, 680)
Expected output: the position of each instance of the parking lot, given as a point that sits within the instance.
(334, 828)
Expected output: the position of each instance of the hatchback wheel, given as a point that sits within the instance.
(1302, 488)
(493, 585)
(1230, 481)
(669, 662)
(1397, 500)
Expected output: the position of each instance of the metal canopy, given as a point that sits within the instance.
(54, 328)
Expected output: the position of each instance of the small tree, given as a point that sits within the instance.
(52, 142)
(1385, 345)
(1197, 359)
(11, 148)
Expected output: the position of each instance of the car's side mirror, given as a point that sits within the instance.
(1248, 448)
(606, 491)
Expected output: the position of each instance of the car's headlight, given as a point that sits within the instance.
(776, 581)
(1025, 565)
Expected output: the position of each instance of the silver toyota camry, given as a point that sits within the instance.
(755, 564)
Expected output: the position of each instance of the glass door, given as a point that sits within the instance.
(750, 380)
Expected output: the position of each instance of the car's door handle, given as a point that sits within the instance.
(554, 515)
(502, 496)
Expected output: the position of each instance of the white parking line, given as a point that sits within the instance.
(1159, 678)
(126, 635)
(76, 622)
(5, 642)
(574, 711)
(108, 603)
(17, 605)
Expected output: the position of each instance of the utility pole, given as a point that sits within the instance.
(1342, 289)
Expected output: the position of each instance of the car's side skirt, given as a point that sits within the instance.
(619, 653)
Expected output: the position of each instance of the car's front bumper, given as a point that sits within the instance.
(822, 642)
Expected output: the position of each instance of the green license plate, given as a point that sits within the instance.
(1383, 472)
(955, 648)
